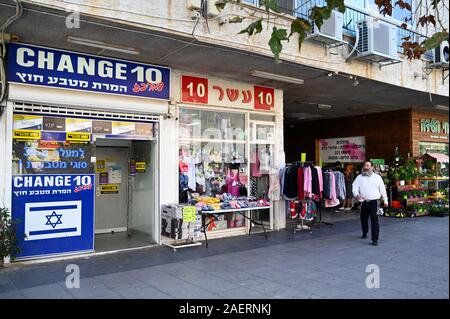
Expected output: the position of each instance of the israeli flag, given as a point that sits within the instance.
(46, 220)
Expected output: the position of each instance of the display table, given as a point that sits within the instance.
(242, 211)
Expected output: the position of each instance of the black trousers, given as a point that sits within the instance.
(369, 210)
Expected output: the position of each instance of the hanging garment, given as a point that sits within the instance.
(232, 181)
(254, 165)
(264, 162)
(311, 211)
(303, 210)
(320, 175)
(290, 183)
(201, 183)
(191, 171)
(253, 187)
(274, 185)
(326, 185)
(340, 185)
(307, 181)
(301, 191)
(333, 201)
(315, 188)
(262, 186)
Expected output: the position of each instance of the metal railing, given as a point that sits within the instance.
(351, 16)
(302, 9)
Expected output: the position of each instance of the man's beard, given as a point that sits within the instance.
(367, 173)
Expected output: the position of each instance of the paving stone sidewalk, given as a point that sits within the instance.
(412, 258)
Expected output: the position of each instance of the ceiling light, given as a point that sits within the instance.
(102, 45)
(276, 77)
(441, 107)
(324, 106)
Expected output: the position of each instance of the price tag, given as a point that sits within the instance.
(189, 214)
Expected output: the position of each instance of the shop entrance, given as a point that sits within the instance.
(124, 194)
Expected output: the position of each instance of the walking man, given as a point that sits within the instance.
(368, 188)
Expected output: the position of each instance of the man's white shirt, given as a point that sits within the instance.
(369, 187)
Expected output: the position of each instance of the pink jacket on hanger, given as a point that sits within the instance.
(307, 181)
(333, 201)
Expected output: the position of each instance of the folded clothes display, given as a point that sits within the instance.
(173, 225)
(226, 201)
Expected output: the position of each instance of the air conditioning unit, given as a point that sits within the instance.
(211, 9)
(331, 30)
(377, 40)
(441, 53)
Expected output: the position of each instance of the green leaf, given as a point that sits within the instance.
(255, 27)
(319, 15)
(302, 27)
(270, 5)
(277, 36)
(236, 19)
(339, 4)
(435, 40)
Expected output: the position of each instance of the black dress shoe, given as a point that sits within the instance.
(374, 243)
(364, 236)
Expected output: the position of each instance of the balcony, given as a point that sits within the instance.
(302, 8)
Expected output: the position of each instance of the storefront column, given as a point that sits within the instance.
(168, 159)
(280, 160)
(6, 120)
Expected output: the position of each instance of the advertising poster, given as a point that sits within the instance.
(57, 124)
(55, 213)
(27, 122)
(78, 125)
(40, 157)
(123, 128)
(132, 167)
(343, 149)
(103, 178)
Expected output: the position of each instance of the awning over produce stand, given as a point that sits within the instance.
(440, 157)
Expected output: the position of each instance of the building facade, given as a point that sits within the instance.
(119, 109)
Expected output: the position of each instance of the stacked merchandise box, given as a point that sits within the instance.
(173, 226)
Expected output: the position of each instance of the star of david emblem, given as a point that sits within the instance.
(51, 218)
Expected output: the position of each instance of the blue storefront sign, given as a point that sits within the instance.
(55, 213)
(69, 70)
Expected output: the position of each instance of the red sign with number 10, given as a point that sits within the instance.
(194, 89)
(264, 98)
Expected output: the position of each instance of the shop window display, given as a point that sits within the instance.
(214, 164)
